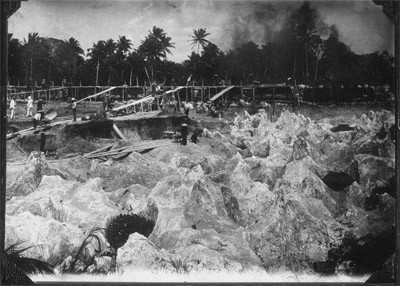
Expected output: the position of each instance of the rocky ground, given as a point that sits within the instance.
(295, 194)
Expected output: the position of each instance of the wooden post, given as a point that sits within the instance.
(141, 106)
(3, 124)
(273, 103)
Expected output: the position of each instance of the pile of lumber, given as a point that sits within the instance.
(110, 151)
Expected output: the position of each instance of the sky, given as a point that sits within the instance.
(361, 24)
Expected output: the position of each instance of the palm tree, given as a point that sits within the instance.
(97, 56)
(71, 55)
(199, 38)
(14, 59)
(123, 45)
(32, 48)
(155, 46)
(165, 41)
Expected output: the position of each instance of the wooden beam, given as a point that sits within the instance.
(96, 94)
(219, 94)
(118, 132)
(105, 148)
(132, 148)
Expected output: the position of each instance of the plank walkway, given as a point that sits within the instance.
(138, 147)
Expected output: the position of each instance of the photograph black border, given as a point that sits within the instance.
(3, 131)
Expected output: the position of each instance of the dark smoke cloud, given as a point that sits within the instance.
(256, 21)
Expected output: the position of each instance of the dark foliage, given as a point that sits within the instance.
(26, 264)
(119, 228)
(17, 267)
(386, 274)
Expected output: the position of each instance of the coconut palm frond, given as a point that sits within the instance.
(28, 265)
(31, 265)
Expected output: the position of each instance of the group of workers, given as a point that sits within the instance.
(29, 107)
(39, 115)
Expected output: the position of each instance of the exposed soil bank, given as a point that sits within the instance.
(64, 135)
(150, 128)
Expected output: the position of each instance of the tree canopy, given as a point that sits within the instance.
(305, 50)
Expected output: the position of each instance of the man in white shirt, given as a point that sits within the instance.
(29, 107)
(74, 109)
(36, 120)
(12, 108)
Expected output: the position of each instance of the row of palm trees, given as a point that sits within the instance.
(299, 54)
(37, 58)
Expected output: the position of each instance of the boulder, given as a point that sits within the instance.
(28, 180)
(269, 169)
(139, 253)
(50, 240)
(373, 168)
(84, 205)
(137, 170)
(295, 231)
(208, 250)
(76, 168)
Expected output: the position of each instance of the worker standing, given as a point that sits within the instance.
(12, 108)
(194, 139)
(74, 109)
(184, 133)
(29, 106)
(36, 120)
(39, 108)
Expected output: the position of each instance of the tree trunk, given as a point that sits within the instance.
(307, 74)
(294, 67)
(316, 69)
(31, 73)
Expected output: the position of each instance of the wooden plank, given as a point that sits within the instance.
(144, 99)
(101, 149)
(173, 90)
(96, 94)
(38, 90)
(121, 148)
(40, 128)
(137, 147)
(147, 114)
(118, 132)
(219, 94)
